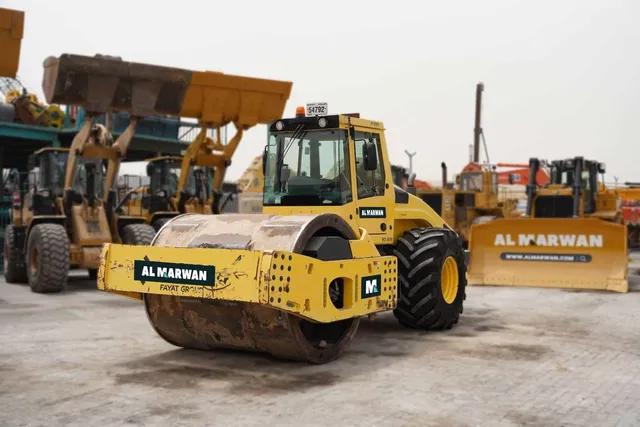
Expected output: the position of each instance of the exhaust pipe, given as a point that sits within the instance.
(534, 165)
(443, 165)
(577, 189)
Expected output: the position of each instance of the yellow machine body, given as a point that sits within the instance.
(476, 199)
(565, 241)
(295, 280)
(281, 280)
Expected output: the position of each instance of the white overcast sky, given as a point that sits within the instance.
(561, 77)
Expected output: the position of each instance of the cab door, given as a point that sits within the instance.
(374, 212)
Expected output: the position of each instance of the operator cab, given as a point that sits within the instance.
(164, 176)
(307, 162)
(570, 179)
(47, 169)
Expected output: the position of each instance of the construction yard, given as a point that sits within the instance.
(519, 357)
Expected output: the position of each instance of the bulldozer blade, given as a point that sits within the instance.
(11, 32)
(580, 253)
(102, 84)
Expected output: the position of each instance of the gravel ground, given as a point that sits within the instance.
(519, 357)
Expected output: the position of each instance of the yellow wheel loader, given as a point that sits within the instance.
(195, 184)
(163, 198)
(336, 241)
(68, 215)
(572, 235)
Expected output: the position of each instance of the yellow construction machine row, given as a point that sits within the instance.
(336, 241)
(571, 236)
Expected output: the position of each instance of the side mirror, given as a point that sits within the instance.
(264, 161)
(458, 179)
(370, 156)
(149, 169)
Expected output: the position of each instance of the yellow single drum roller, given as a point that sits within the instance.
(273, 275)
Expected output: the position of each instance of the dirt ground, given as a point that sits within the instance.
(519, 357)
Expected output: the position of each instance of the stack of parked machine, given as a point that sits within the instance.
(340, 232)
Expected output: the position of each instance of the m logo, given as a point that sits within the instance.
(370, 286)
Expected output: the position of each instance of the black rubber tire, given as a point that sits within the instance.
(15, 270)
(159, 223)
(138, 234)
(93, 274)
(50, 272)
(421, 253)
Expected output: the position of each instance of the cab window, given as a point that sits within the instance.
(369, 183)
(471, 181)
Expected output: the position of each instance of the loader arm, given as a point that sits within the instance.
(119, 149)
(76, 149)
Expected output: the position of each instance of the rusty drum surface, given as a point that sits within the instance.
(223, 324)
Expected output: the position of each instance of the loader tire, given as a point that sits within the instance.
(93, 274)
(138, 234)
(426, 256)
(159, 223)
(48, 258)
(15, 270)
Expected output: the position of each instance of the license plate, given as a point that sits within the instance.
(317, 109)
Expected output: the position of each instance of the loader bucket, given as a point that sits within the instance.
(11, 32)
(581, 253)
(102, 84)
(219, 99)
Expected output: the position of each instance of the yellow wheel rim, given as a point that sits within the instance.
(449, 280)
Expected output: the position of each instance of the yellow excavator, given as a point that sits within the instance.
(336, 241)
(571, 236)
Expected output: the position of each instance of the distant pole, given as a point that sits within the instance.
(410, 160)
(477, 130)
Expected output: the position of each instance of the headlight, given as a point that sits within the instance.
(322, 122)
(279, 125)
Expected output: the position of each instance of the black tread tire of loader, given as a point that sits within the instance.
(93, 273)
(421, 253)
(53, 258)
(159, 223)
(15, 270)
(138, 234)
